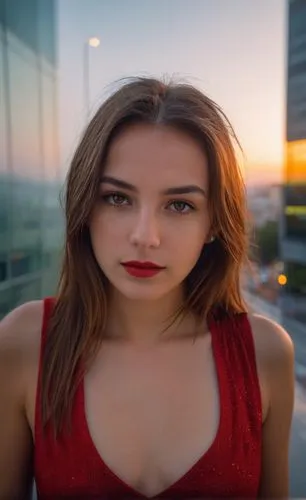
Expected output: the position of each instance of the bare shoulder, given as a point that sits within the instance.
(274, 352)
(20, 333)
(273, 344)
(21, 322)
(275, 362)
(19, 354)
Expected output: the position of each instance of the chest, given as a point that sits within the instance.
(152, 414)
(150, 422)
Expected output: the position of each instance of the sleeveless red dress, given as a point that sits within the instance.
(71, 467)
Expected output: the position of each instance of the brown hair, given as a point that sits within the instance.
(78, 320)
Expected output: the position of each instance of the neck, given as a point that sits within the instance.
(146, 321)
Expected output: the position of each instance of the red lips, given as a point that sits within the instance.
(142, 269)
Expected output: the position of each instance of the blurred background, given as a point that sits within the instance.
(58, 60)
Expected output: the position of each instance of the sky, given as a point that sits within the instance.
(233, 50)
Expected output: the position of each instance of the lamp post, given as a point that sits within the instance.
(91, 42)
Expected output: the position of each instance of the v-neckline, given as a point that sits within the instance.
(220, 433)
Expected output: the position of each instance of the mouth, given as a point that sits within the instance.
(142, 269)
(142, 265)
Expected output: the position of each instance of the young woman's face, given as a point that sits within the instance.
(152, 208)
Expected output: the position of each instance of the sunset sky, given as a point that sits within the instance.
(234, 50)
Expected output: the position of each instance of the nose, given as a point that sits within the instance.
(145, 231)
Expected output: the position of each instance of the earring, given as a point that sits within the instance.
(212, 238)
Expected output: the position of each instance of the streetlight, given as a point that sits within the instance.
(282, 279)
(90, 42)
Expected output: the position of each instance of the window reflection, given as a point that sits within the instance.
(26, 156)
(49, 128)
(52, 230)
(4, 178)
(3, 104)
(31, 223)
(295, 194)
(21, 19)
(296, 227)
(22, 292)
(26, 226)
(5, 301)
(46, 35)
(25, 123)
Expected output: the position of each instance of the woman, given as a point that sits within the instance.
(145, 377)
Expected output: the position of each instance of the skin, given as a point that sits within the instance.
(146, 386)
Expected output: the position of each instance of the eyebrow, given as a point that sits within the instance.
(169, 191)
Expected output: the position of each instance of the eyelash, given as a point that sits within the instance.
(110, 196)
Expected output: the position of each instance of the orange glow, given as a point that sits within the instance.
(296, 161)
(282, 279)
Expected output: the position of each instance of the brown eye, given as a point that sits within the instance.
(115, 199)
(181, 207)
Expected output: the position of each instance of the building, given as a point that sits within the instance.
(293, 227)
(30, 217)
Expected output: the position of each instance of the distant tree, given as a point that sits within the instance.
(267, 240)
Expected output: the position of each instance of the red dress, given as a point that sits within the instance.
(72, 468)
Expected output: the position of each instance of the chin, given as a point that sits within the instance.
(141, 292)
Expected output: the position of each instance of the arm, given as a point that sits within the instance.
(15, 435)
(275, 360)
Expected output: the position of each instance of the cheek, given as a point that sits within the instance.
(98, 231)
(105, 231)
(190, 250)
(191, 234)
(187, 244)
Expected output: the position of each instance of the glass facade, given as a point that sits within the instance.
(31, 224)
(295, 212)
(296, 83)
(294, 220)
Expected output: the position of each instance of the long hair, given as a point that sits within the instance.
(213, 286)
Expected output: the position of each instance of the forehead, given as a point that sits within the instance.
(157, 153)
